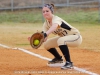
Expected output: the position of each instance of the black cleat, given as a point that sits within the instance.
(68, 65)
(55, 60)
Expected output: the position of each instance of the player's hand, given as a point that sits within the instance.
(45, 36)
(45, 39)
(39, 37)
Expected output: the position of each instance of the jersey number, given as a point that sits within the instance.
(64, 32)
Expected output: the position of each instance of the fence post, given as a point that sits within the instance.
(42, 6)
(99, 10)
(42, 2)
(67, 2)
(12, 5)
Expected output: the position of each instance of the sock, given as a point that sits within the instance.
(55, 53)
(64, 49)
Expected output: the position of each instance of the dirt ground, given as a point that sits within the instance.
(16, 62)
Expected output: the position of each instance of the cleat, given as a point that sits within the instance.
(68, 65)
(56, 62)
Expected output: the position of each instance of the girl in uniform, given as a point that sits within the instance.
(67, 36)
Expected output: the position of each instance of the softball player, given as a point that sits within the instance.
(67, 36)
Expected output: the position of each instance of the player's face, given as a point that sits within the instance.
(46, 13)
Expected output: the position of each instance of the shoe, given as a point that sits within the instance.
(68, 65)
(56, 60)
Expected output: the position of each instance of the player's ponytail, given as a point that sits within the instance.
(53, 5)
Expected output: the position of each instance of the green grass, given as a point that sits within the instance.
(20, 17)
(34, 16)
(81, 17)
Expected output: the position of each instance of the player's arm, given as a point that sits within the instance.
(45, 28)
(52, 28)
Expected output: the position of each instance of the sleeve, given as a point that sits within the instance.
(45, 28)
(57, 20)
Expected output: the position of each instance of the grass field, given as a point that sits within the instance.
(72, 15)
(16, 34)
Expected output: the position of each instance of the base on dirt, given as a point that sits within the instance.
(56, 64)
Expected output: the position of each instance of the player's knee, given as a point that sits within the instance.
(46, 46)
(60, 42)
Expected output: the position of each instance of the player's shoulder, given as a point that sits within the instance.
(56, 18)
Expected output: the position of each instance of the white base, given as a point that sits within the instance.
(56, 64)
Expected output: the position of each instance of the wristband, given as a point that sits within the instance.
(45, 35)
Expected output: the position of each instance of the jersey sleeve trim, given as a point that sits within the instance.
(65, 26)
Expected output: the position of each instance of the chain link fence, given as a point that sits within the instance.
(28, 4)
(20, 4)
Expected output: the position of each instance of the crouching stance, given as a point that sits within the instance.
(67, 36)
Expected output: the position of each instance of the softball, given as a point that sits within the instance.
(36, 42)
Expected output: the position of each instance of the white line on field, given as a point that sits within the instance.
(45, 58)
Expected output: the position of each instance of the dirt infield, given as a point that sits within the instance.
(15, 62)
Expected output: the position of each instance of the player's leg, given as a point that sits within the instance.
(63, 43)
(70, 40)
(50, 45)
(65, 50)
